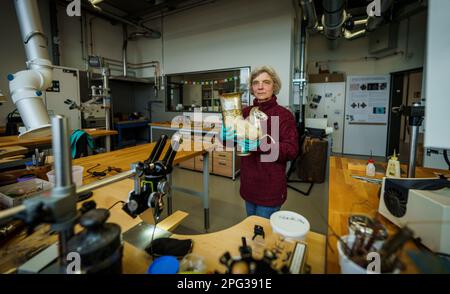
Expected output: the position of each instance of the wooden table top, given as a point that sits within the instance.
(213, 245)
(348, 196)
(123, 158)
(168, 124)
(16, 141)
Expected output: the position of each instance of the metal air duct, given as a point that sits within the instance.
(333, 18)
(26, 86)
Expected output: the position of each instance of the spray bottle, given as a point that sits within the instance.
(393, 167)
(370, 168)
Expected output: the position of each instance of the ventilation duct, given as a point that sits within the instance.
(309, 14)
(333, 18)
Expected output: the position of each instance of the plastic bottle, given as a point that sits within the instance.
(370, 168)
(393, 167)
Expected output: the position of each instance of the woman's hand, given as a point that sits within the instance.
(247, 145)
(227, 134)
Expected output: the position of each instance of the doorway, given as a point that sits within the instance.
(406, 89)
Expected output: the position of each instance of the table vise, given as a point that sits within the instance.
(150, 180)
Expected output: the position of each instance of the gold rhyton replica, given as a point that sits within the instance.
(250, 128)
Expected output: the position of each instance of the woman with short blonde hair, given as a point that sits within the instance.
(263, 182)
(271, 72)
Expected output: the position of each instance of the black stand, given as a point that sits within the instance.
(302, 136)
(291, 169)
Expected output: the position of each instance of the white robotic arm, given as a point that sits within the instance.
(26, 86)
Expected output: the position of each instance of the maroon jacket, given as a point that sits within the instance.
(264, 183)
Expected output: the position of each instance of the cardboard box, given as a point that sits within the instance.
(326, 78)
(15, 194)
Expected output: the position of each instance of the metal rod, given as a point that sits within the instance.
(412, 151)
(10, 212)
(107, 106)
(137, 180)
(124, 49)
(205, 194)
(61, 151)
(95, 185)
(80, 191)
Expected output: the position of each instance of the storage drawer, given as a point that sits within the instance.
(223, 167)
(189, 164)
(228, 155)
(199, 163)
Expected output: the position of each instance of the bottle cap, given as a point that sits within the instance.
(371, 160)
(394, 157)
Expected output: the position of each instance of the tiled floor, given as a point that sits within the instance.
(227, 207)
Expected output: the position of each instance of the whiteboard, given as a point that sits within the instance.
(366, 115)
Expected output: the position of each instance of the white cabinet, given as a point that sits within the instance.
(65, 85)
(327, 100)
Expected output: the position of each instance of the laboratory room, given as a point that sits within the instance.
(224, 137)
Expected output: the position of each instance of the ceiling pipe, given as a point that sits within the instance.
(333, 18)
(348, 35)
(124, 50)
(153, 33)
(309, 15)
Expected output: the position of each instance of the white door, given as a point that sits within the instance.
(366, 115)
(327, 100)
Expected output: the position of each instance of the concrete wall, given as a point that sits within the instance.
(224, 34)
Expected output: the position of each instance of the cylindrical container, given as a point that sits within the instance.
(192, 264)
(232, 113)
(365, 225)
(370, 168)
(77, 175)
(231, 107)
(290, 225)
(347, 265)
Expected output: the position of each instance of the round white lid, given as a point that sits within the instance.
(289, 224)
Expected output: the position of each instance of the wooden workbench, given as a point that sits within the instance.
(16, 141)
(348, 196)
(123, 158)
(210, 246)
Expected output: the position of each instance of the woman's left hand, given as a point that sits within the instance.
(247, 145)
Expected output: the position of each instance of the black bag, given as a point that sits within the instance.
(169, 246)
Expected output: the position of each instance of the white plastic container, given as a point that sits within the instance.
(346, 264)
(77, 175)
(290, 225)
(370, 168)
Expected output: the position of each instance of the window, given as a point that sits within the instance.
(186, 91)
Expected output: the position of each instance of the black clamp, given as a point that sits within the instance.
(258, 230)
